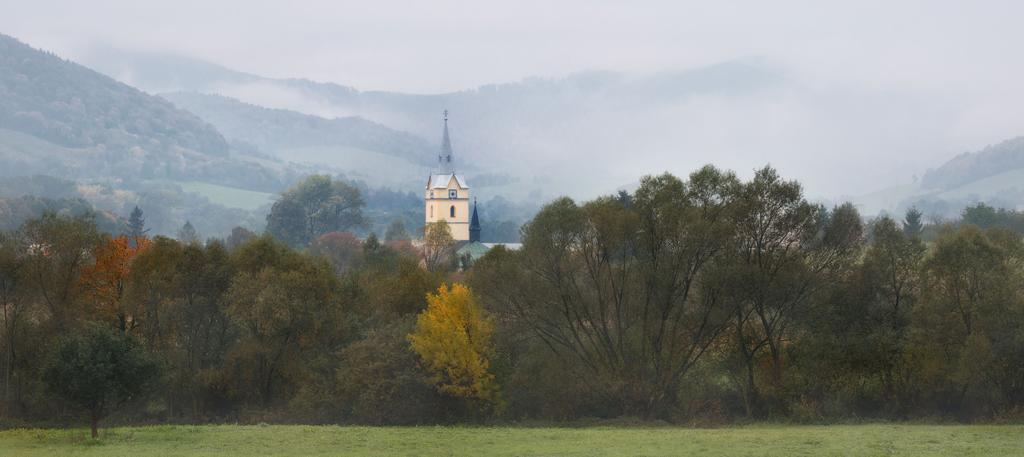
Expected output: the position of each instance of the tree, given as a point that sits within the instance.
(313, 207)
(619, 292)
(453, 338)
(380, 381)
(284, 304)
(175, 294)
(341, 249)
(59, 247)
(967, 327)
(136, 224)
(104, 282)
(188, 234)
(785, 249)
(912, 225)
(98, 370)
(15, 306)
(438, 246)
(396, 232)
(892, 269)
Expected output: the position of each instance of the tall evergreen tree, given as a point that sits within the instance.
(136, 224)
(188, 233)
(912, 225)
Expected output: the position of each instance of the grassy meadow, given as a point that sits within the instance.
(760, 440)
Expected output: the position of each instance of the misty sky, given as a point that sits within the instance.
(420, 46)
(958, 62)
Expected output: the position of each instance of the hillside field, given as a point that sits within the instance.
(758, 440)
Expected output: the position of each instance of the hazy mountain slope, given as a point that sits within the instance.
(70, 135)
(581, 135)
(275, 130)
(993, 175)
(70, 105)
(972, 166)
(62, 119)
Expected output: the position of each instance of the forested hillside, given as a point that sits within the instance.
(62, 119)
(72, 106)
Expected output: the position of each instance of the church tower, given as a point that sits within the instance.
(447, 194)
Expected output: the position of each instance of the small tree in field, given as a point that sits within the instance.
(453, 338)
(99, 369)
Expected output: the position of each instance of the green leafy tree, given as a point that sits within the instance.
(313, 207)
(16, 306)
(285, 305)
(59, 247)
(968, 324)
(785, 249)
(892, 266)
(381, 382)
(99, 369)
(396, 232)
(438, 249)
(618, 292)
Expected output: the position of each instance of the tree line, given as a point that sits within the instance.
(705, 300)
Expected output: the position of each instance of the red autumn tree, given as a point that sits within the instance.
(103, 284)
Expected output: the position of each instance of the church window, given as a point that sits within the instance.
(431, 210)
(453, 211)
(453, 194)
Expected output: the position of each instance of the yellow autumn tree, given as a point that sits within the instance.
(453, 339)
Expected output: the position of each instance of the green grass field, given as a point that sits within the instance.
(230, 197)
(229, 440)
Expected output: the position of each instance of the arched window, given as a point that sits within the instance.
(431, 210)
(453, 211)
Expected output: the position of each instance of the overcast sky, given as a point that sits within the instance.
(421, 46)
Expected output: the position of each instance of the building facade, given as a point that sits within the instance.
(446, 197)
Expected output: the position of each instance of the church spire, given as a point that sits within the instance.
(474, 225)
(444, 160)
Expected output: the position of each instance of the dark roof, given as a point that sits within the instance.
(474, 223)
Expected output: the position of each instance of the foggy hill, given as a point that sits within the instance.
(62, 119)
(72, 139)
(993, 175)
(538, 130)
(276, 130)
(973, 166)
(72, 106)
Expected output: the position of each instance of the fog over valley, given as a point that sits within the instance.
(858, 102)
